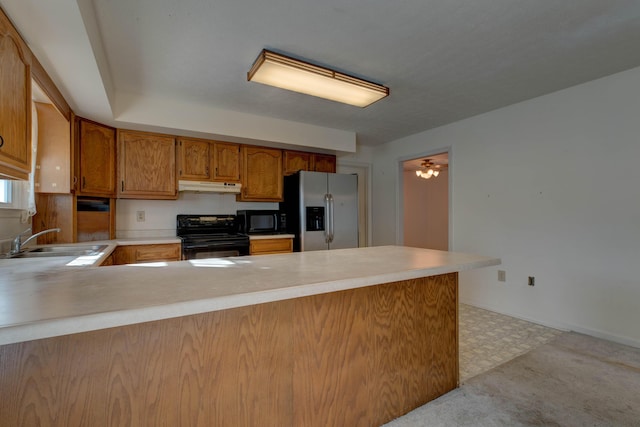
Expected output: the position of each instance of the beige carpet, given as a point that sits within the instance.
(574, 380)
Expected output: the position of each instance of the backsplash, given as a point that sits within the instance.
(160, 215)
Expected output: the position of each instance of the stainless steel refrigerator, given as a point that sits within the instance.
(321, 210)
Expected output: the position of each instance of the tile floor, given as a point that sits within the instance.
(488, 339)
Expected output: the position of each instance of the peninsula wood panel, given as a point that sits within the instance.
(359, 358)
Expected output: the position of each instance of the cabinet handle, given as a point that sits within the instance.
(122, 185)
(84, 182)
(1, 141)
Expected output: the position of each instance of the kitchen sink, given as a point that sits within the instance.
(63, 250)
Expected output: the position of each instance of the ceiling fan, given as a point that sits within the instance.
(430, 169)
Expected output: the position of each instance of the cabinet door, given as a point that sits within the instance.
(15, 103)
(96, 168)
(146, 253)
(226, 162)
(146, 166)
(193, 159)
(324, 163)
(262, 178)
(295, 161)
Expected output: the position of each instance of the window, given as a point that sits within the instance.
(5, 192)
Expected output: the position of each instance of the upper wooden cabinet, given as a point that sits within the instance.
(323, 163)
(96, 164)
(194, 159)
(15, 103)
(295, 161)
(146, 166)
(203, 160)
(53, 158)
(262, 178)
(226, 162)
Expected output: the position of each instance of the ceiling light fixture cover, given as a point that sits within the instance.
(292, 74)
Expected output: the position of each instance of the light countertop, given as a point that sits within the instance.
(44, 297)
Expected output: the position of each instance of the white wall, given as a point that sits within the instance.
(551, 186)
(426, 211)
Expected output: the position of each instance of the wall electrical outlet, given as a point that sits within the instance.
(140, 216)
(532, 281)
(502, 276)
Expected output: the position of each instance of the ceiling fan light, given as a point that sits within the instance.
(436, 172)
(288, 73)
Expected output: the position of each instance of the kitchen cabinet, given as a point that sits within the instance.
(270, 246)
(202, 160)
(262, 178)
(80, 219)
(15, 103)
(146, 165)
(323, 163)
(53, 158)
(96, 159)
(295, 161)
(132, 254)
(194, 159)
(226, 162)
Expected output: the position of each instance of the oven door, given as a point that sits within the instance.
(203, 250)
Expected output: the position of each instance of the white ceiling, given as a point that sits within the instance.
(443, 60)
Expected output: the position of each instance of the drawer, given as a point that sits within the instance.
(270, 246)
(147, 253)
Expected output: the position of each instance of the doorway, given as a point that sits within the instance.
(426, 201)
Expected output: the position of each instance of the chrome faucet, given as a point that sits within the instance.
(17, 244)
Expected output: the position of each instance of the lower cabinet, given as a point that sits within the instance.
(270, 246)
(132, 254)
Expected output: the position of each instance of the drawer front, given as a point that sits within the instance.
(168, 252)
(146, 253)
(271, 246)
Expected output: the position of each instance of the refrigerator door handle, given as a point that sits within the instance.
(331, 219)
(327, 219)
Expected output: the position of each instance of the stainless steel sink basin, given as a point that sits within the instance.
(64, 250)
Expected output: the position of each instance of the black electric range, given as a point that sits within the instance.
(210, 236)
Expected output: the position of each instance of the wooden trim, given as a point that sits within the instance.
(39, 74)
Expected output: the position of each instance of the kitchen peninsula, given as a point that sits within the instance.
(345, 337)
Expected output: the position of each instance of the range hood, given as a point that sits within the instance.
(210, 187)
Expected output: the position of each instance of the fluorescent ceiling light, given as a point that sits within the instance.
(288, 73)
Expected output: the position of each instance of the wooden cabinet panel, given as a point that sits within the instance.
(262, 178)
(146, 166)
(146, 253)
(53, 159)
(96, 169)
(270, 246)
(15, 103)
(355, 357)
(295, 161)
(226, 162)
(55, 211)
(323, 163)
(194, 159)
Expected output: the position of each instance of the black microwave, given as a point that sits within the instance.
(262, 221)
